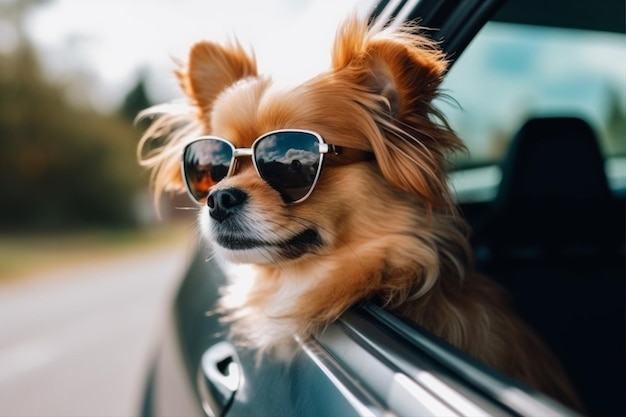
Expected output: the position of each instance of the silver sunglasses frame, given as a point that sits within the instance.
(324, 148)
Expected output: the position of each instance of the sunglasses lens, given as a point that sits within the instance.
(205, 163)
(289, 162)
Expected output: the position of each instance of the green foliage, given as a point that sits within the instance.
(60, 167)
(136, 100)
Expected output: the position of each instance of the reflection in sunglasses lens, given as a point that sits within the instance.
(205, 163)
(289, 162)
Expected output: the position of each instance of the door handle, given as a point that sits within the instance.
(219, 377)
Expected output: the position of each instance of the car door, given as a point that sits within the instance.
(368, 363)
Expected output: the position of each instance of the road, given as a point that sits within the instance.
(77, 342)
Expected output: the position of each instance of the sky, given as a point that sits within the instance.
(110, 43)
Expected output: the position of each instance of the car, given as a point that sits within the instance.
(538, 95)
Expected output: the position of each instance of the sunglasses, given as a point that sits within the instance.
(289, 160)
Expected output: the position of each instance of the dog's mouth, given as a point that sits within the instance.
(292, 248)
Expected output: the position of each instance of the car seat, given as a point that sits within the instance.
(554, 237)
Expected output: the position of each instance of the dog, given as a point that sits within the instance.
(333, 192)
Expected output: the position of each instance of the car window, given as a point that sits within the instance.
(513, 72)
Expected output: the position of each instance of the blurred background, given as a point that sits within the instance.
(87, 269)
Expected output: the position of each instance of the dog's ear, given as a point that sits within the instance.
(210, 70)
(400, 72)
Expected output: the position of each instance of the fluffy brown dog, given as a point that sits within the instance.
(379, 220)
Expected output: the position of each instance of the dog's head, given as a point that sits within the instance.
(374, 105)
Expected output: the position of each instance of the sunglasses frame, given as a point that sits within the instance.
(324, 148)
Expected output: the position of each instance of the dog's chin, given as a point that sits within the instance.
(240, 248)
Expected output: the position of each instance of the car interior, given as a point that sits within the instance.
(550, 227)
(554, 237)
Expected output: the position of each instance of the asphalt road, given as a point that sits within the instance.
(77, 342)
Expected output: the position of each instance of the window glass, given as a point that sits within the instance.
(513, 72)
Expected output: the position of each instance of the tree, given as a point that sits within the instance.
(136, 100)
(60, 166)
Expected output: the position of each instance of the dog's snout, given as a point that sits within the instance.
(224, 202)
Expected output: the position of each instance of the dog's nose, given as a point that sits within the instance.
(224, 202)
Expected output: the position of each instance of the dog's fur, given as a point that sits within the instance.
(383, 227)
